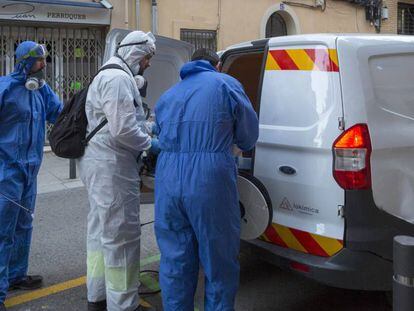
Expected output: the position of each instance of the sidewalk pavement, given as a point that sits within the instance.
(54, 174)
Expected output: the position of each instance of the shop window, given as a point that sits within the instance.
(200, 38)
(405, 25)
(276, 26)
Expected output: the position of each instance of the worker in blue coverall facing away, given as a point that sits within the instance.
(197, 215)
(26, 102)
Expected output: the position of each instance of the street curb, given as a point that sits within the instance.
(47, 149)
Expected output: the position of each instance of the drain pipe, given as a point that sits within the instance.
(154, 17)
(126, 20)
(137, 12)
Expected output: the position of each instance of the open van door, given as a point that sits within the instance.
(245, 62)
(164, 72)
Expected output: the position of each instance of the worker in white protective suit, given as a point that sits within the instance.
(110, 171)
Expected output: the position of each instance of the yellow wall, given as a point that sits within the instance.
(118, 19)
(339, 16)
(242, 20)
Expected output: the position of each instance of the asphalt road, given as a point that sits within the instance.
(59, 254)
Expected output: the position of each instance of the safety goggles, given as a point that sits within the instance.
(149, 55)
(38, 51)
(130, 44)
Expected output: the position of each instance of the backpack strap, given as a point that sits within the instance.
(96, 130)
(103, 123)
(110, 66)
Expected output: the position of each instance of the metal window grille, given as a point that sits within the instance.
(200, 38)
(276, 26)
(405, 22)
(74, 54)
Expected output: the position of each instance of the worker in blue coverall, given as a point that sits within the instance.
(197, 215)
(26, 102)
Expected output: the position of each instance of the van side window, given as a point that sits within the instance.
(392, 77)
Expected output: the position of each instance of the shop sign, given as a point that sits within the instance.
(56, 13)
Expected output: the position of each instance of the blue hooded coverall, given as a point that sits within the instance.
(22, 135)
(197, 215)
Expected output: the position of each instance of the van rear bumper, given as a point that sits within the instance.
(346, 269)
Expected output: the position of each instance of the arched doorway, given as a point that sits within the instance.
(276, 26)
(279, 20)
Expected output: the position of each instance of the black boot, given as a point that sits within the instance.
(97, 306)
(2, 307)
(27, 282)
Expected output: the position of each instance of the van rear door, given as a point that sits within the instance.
(300, 113)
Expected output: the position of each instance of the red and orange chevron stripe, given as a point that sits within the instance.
(303, 59)
(302, 241)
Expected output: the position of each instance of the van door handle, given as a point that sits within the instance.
(288, 170)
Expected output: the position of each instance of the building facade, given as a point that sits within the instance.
(224, 22)
(74, 31)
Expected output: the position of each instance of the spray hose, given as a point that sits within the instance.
(15, 203)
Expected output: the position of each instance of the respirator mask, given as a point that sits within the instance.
(141, 84)
(36, 79)
(147, 47)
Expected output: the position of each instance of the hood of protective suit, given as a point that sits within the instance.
(195, 67)
(132, 54)
(22, 69)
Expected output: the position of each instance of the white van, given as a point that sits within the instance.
(335, 151)
(333, 160)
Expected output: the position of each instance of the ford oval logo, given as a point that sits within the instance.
(287, 170)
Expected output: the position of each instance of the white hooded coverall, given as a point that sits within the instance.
(109, 170)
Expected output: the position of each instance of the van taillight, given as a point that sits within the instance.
(352, 152)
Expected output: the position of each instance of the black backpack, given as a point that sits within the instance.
(68, 136)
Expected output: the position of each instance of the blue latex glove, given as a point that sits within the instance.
(155, 146)
(155, 129)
